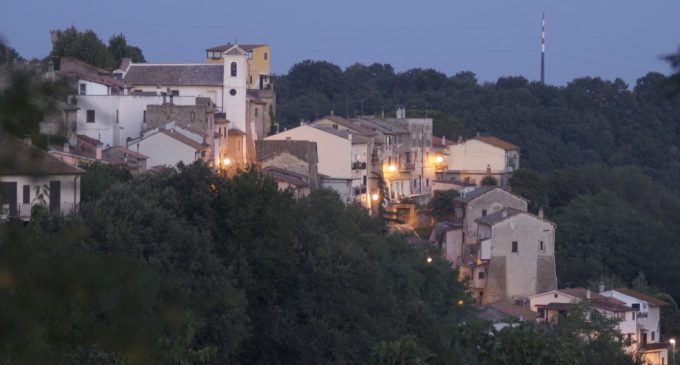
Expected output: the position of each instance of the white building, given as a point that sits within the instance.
(171, 144)
(30, 176)
(647, 335)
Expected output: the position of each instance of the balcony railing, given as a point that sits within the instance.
(359, 190)
(23, 210)
(407, 166)
(358, 165)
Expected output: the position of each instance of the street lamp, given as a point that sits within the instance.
(375, 196)
(672, 359)
(226, 161)
(391, 168)
(438, 160)
(429, 259)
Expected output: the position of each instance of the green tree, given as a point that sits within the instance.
(442, 204)
(119, 49)
(85, 46)
(8, 54)
(100, 177)
(531, 185)
(489, 181)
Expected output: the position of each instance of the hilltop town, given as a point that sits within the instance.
(147, 118)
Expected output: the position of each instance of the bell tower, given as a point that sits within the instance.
(235, 86)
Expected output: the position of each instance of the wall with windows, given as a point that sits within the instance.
(92, 88)
(474, 155)
(69, 193)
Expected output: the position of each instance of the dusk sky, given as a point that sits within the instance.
(622, 38)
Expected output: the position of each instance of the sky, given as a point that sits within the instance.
(492, 38)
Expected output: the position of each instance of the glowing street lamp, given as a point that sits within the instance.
(438, 160)
(375, 196)
(226, 161)
(391, 168)
(429, 259)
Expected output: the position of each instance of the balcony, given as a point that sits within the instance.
(23, 211)
(358, 165)
(407, 166)
(359, 190)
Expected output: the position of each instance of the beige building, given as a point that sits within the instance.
(475, 158)
(259, 60)
(515, 256)
(292, 164)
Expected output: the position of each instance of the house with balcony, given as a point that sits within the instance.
(647, 313)
(30, 176)
(473, 159)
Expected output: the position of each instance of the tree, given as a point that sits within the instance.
(119, 49)
(100, 177)
(442, 204)
(531, 185)
(85, 46)
(8, 54)
(489, 181)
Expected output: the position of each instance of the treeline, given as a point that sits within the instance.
(588, 121)
(186, 267)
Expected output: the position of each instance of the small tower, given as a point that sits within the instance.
(235, 86)
(543, 49)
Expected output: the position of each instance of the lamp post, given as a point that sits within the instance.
(671, 360)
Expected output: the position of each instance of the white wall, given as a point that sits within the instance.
(235, 105)
(342, 186)
(93, 88)
(650, 323)
(163, 150)
(70, 189)
(212, 92)
(130, 115)
(474, 155)
(334, 152)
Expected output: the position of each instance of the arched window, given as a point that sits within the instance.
(233, 69)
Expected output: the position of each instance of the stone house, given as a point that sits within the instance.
(292, 164)
(515, 256)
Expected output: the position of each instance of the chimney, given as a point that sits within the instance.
(460, 139)
(98, 152)
(504, 213)
(28, 142)
(443, 141)
(540, 212)
(587, 293)
(601, 287)
(66, 147)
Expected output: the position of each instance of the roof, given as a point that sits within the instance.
(225, 47)
(121, 149)
(16, 158)
(513, 310)
(290, 177)
(654, 346)
(556, 306)
(439, 141)
(474, 194)
(184, 139)
(582, 293)
(304, 150)
(385, 126)
(644, 297)
(89, 139)
(175, 75)
(497, 142)
(337, 132)
(74, 67)
(499, 216)
(348, 124)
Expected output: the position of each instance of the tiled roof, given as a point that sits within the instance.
(123, 150)
(637, 295)
(18, 159)
(514, 310)
(582, 293)
(498, 143)
(245, 47)
(74, 67)
(357, 127)
(175, 75)
(184, 139)
(304, 150)
(337, 132)
(474, 194)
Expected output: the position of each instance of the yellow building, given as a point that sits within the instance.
(258, 56)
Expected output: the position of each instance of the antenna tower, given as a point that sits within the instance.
(543, 49)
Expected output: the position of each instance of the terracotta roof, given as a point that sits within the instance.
(498, 143)
(88, 139)
(184, 139)
(175, 75)
(74, 67)
(514, 310)
(121, 149)
(18, 159)
(225, 47)
(557, 306)
(637, 295)
(439, 142)
(304, 150)
(348, 124)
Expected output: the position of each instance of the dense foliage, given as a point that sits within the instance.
(86, 46)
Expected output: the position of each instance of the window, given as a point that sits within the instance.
(427, 182)
(335, 126)
(541, 246)
(83, 89)
(480, 275)
(415, 183)
(249, 55)
(636, 306)
(233, 69)
(633, 316)
(232, 92)
(27, 194)
(483, 212)
(256, 111)
(192, 115)
(265, 55)
(90, 116)
(653, 336)
(514, 247)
